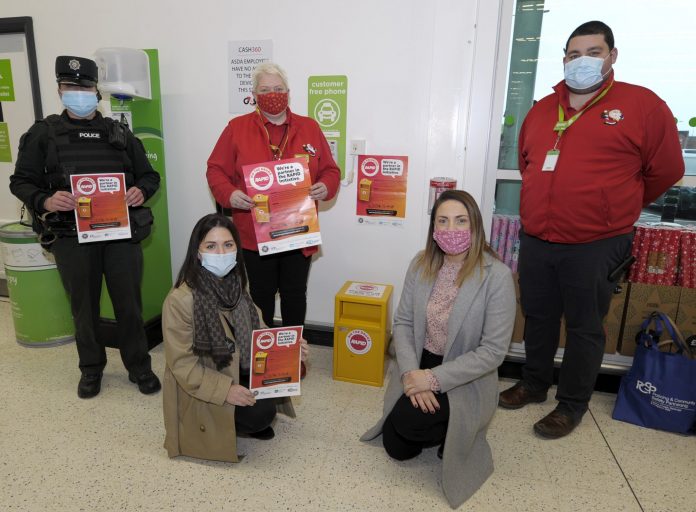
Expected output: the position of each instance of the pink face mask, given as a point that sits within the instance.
(272, 102)
(453, 241)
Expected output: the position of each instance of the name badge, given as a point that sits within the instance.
(550, 160)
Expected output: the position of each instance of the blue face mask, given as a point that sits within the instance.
(80, 103)
(584, 72)
(219, 264)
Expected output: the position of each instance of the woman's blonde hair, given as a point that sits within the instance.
(431, 259)
(268, 68)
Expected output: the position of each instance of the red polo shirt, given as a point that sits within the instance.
(244, 142)
(621, 154)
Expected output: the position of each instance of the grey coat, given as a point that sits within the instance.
(479, 331)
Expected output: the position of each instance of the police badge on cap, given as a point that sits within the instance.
(76, 71)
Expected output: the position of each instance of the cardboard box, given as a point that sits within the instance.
(518, 330)
(613, 322)
(643, 300)
(686, 313)
(562, 336)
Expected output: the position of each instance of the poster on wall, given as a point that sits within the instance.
(243, 57)
(381, 190)
(327, 98)
(275, 362)
(7, 93)
(101, 213)
(284, 216)
(5, 146)
(6, 83)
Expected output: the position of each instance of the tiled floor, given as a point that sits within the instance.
(60, 453)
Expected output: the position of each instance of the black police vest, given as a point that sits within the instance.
(74, 149)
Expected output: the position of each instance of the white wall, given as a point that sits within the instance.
(420, 76)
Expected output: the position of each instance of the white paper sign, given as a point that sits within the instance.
(366, 290)
(243, 57)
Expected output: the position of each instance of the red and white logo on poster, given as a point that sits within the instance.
(261, 178)
(265, 340)
(369, 167)
(86, 186)
(358, 342)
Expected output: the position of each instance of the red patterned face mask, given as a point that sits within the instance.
(272, 102)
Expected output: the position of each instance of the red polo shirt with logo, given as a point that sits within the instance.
(244, 141)
(620, 154)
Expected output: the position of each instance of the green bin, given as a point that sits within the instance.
(40, 304)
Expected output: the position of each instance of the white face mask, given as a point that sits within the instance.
(584, 72)
(219, 264)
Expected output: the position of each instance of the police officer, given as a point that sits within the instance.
(80, 141)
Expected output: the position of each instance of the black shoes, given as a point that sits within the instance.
(518, 396)
(89, 385)
(556, 424)
(265, 434)
(147, 381)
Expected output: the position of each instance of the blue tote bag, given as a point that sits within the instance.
(659, 391)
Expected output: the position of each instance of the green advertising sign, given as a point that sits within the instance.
(145, 119)
(5, 151)
(6, 85)
(327, 101)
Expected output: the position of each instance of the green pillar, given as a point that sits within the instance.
(523, 66)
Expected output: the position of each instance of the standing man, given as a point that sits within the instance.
(80, 141)
(591, 155)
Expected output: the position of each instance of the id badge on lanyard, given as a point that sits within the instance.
(561, 126)
(550, 160)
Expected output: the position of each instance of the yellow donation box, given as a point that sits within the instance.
(362, 328)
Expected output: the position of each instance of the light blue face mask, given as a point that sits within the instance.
(584, 72)
(80, 103)
(219, 264)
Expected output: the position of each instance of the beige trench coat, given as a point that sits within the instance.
(198, 421)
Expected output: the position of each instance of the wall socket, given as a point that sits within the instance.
(357, 147)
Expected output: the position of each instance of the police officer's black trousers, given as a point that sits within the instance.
(81, 267)
(568, 280)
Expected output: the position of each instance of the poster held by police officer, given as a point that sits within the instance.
(275, 362)
(101, 213)
(284, 216)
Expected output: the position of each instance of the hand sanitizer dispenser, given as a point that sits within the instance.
(124, 73)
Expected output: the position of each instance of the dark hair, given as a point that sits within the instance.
(592, 28)
(191, 268)
(432, 257)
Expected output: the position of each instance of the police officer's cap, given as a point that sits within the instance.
(76, 71)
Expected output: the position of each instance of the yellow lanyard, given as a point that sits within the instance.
(277, 151)
(562, 125)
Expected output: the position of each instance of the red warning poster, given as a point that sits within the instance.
(275, 362)
(381, 188)
(101, 213)
(284, 216)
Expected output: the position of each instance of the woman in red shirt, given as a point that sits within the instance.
(271, 132)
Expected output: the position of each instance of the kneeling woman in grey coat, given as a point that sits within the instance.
(452, 330)
(207, 321)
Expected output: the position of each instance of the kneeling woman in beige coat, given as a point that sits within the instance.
(207, 320)
(451, 332)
